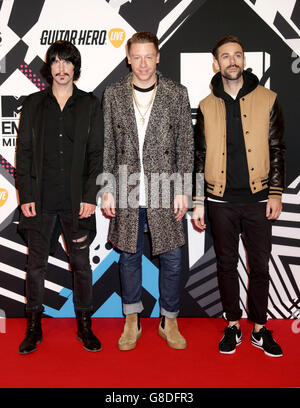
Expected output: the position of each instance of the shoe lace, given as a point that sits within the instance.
(267, 334)
(229, 334)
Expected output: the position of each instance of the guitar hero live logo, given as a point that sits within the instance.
(116, 37)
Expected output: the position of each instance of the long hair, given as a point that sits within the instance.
(65, 50)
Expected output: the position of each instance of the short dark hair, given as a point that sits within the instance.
(143, 37)
(225, 40)
(65, 50)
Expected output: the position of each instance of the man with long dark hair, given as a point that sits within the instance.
(59, 156)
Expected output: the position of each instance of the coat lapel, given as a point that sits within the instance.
(128, 111)
(156, 113)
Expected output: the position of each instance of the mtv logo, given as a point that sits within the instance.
(197, 71)
(11, 106)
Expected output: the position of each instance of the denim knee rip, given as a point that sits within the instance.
(78, 242)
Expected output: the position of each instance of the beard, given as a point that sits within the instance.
(232, 76)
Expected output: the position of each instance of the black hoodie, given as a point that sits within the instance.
(237, 175)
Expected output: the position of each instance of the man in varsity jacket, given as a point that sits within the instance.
(240, 149)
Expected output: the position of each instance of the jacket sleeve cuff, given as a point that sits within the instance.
(275, 192)
(198, 201)
(26, 199)
(89, 201)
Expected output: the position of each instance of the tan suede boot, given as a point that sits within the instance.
(171, 333)
(131, 333)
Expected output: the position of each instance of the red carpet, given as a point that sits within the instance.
(61, 360)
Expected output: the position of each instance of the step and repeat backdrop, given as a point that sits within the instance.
(187, 31)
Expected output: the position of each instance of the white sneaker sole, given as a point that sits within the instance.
(233, 351)
(261, 348)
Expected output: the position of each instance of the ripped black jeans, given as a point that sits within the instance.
(78, 248)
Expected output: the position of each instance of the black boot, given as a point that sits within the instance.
(34, 333)
(85, 334)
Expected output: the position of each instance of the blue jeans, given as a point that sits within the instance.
(131, 276)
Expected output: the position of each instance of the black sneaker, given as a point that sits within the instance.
(232, 338)
(264, 340)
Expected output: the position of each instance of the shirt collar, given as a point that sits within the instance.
(74, 95)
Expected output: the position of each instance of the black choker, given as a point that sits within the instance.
(144, 89)
(137, 88)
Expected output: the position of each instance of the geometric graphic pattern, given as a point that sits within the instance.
(58, 300)
(38, 82)
(285, 262)
(283, 17)
(284, 266)
(203, 284)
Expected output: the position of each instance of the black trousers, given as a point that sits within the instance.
(228, 221)
(78, 248)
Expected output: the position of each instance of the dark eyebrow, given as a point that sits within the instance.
(147, 55)
(227, 53)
